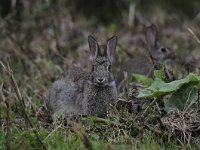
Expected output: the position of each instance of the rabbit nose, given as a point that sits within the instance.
(100, 79)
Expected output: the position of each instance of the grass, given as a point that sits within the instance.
(36, 62)
(119, 131)
(63, 138)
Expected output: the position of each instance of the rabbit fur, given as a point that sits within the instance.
(141, 63)
(87, 91)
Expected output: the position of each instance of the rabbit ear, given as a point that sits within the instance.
(93, 46)
(151, 35)
(111, 47)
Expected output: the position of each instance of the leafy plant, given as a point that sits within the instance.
(160, 88)
(160, 74)
(184, 92)
(142, 78)
(182, 99)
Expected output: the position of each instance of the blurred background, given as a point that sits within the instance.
(43, 38)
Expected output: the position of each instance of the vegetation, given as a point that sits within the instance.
(40, 40)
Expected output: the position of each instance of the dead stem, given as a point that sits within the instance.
(8, 122)
(146, 111)
(125, 50)
(79, 129)
(8, 126)
(21, 101)
(1, 92)
(53, 22)
(194, 35)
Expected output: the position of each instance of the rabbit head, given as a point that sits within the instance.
(160, 53)
(101, 62)
(141, 64)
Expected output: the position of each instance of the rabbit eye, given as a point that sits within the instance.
(93, 68)
(109, 68)
(163, 50)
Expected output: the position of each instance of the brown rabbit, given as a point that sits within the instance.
(87, 91)
(141, 62)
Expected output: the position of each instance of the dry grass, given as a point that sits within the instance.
(44, 43)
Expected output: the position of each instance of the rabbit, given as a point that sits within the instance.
(87, 91)
(141, 63)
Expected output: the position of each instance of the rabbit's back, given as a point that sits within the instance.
(66, 94)
(89, 91)
(139, 64)
(155, 56)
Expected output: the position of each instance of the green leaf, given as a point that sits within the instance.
(142, 78)
(160, 88)
(182, 99)
(160, 74)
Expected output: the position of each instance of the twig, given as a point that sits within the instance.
(19, 48)
(146, 111)
(17, 45)
(32, 105)
(101, 120)
(189, 103)
(159, 109)
(194, 35)
(131, 14)
(156, 131)
(55, 32)
(78, 129)
(21, 101)
(151, 58)
(54, 26)
(124, 84)
(7, 18)
(1, 91)
(8, 124)
(52, 132)
(198, 100)
(150, 71)
(125, 50)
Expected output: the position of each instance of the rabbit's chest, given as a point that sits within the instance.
(100, 94)
(98, 100)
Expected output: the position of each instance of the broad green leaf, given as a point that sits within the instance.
(142, 78)
(163, 73)
(160, 88)
(182, 99)
(160, 74)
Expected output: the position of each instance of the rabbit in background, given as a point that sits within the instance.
(159, 51)
(87, 91)
(145, 62)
